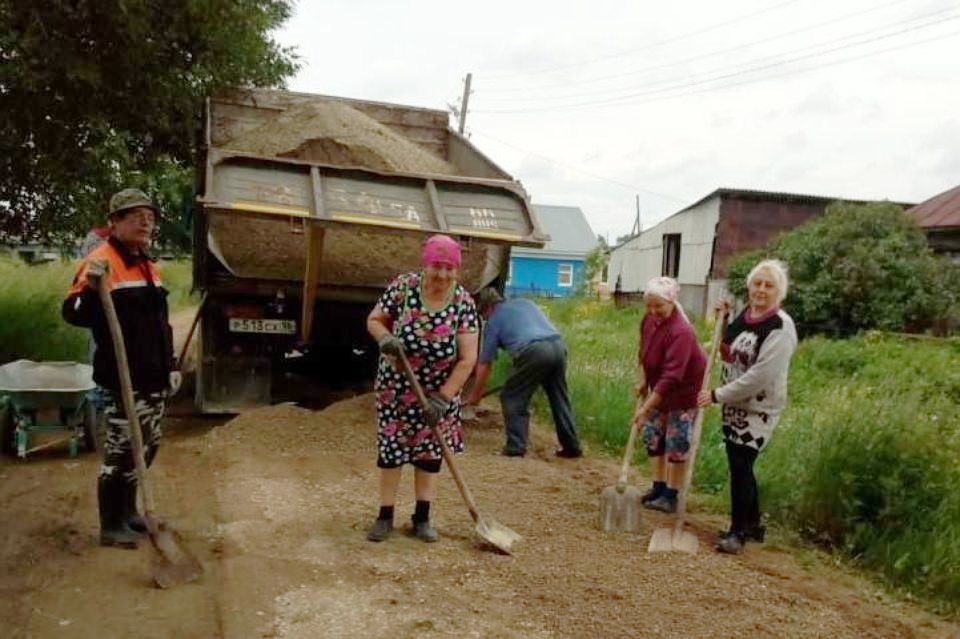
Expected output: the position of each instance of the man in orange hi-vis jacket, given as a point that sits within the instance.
(141, 302)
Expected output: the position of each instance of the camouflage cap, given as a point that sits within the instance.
(488, 297)
(130, 199)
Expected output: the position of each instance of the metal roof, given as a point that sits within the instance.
(939, 212)
(570, 233)
(771, 196)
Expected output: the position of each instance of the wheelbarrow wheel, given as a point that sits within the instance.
(8, 441)
(90, 427)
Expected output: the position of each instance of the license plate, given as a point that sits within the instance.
(274, 326)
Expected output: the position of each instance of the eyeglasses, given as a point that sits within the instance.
(142, 215)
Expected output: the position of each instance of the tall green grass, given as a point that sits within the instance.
(30, 297)
(865, 460)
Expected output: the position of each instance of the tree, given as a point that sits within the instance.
(858, 267)
(594, 263)
(97, 95)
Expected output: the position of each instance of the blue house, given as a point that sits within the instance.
(557, 268)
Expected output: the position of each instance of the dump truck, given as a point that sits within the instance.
(307, 207)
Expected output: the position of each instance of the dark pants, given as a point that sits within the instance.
(744, 495)
(541, 363)
(117, 481)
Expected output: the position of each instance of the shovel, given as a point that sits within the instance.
(472, 412)
(620, 505)
(489, 530)
(173, 564)
(675, 538)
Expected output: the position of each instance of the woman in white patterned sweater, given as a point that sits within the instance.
(756, 351)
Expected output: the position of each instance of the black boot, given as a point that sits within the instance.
(114, 530)
(134, 519)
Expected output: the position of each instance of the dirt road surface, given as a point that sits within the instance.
(276, 504)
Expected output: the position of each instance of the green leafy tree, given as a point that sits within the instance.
(97, 95)
(858, 267)
(593, 265)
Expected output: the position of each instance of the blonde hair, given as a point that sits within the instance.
(777, 270)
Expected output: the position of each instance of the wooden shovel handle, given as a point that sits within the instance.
(193, 327)
(447, 453)
(718, 328)
(126, 389)
(628, 453)
(641, 384)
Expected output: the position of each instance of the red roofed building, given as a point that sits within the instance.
(939, 217)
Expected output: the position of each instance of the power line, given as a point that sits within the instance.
(631, 187)
(613, 93)
(646, 47)
(701, 56)
(637, 97)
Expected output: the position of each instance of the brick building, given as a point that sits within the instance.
(939, 217)
(696, 244)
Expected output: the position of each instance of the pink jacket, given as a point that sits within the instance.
(673, 361)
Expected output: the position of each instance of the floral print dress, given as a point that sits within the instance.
(429, 339)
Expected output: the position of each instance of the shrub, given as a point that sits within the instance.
(860, 266)
(30, 299)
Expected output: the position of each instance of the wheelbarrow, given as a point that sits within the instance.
(42, 397)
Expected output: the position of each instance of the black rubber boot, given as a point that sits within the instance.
(655, 491)
(663, 503)
(423, 531)
(381, 530)
(134, 519)
(114, 530)
(756, 533)
(732, 544)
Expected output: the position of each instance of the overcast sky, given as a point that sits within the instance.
(590, 104)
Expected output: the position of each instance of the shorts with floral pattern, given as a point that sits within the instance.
(669, 433)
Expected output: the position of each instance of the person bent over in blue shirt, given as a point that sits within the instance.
(539, 359)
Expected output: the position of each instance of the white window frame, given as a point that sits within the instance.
(565, 268)
(510, 271)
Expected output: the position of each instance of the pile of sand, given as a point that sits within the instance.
(346, 426)
(334, 133)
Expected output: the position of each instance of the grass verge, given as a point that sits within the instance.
(30, 299)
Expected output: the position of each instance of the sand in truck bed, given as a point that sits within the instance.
(331, 132)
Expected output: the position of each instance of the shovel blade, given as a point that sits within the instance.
(620, 511)
(173, 564)
(496, 534)
(662, 540)
(669, 539)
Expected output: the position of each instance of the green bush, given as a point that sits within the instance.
(30, 298)
(860, 266)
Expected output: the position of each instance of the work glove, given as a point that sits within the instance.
(96, 269)
(176, 378)
(390, 344)
(436, 408)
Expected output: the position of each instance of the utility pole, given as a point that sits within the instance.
(464, 101)
(637, 228)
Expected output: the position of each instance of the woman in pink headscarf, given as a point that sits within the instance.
(673, 365)
(433, 320)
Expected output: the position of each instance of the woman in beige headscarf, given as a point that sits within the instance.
(673, 365)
